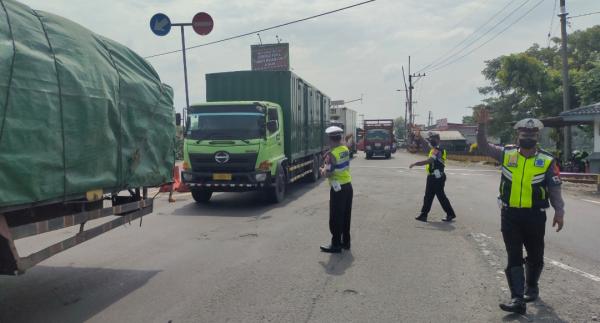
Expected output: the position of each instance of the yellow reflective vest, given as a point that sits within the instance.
(437, 163)
(341, 168)
(523, 183)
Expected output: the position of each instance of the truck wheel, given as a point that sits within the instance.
(201, 196)
(388, 156)
(369, 156)
(314, 177)
(277, 194)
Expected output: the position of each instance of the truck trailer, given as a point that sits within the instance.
(82, 118)
(258, 131)
(346, 119)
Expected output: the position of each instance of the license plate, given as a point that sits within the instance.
(222, 177)
(377, 145)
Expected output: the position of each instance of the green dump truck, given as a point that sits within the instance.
(82, 118)
(258, 131)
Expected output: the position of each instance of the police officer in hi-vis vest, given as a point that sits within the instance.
(337, 170)
(436, 180)
(530, 182)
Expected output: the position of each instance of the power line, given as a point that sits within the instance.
(451, 57)
(584, 15)
(489, 40)
(265, 29)
(437, 60)
(551, 23)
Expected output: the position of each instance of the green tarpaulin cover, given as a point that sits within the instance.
(78, 112)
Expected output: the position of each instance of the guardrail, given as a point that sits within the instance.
(583, 178)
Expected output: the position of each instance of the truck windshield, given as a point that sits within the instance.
(223, 123)
(378, 134)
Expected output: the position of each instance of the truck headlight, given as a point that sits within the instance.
(386, 147)
(368, 147)
(261, 177)
(187, 177)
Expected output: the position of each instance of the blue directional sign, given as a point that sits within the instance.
(160, 24)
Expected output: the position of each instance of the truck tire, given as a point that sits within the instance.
(388, 155)
(314, 176)
(201, 196)
(369, 155)
(276, 194)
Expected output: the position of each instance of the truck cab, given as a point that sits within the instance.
(234, 146)
(379, 138)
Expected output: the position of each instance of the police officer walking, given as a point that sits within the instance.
(337, 170)
(530, 182)
(436, 180)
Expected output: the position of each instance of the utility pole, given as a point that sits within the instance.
(429, 120)
(565, 77)
(410, 89)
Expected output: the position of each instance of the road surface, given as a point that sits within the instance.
(239, 260)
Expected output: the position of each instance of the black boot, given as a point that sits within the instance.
(346, 241)
(516, 283)
(422, 218)
(532, 276)
(449, 218)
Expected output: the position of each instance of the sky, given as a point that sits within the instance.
(359, 51)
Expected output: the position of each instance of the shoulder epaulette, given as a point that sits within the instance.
(544, 152)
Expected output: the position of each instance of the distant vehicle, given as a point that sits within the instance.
(379, 137)
(259, 131)
(346, 119)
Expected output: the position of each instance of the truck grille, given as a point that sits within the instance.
(236, 163)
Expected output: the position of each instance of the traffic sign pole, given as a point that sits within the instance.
(187, 94)
(202, 23)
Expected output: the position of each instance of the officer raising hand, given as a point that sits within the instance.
(337, 170)
(529, 183)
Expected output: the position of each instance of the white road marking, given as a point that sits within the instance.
(591, 201)
(553, 262)
(573, 270)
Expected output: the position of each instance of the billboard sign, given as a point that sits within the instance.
(271, 57)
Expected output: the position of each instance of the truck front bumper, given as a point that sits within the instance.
(240, 182)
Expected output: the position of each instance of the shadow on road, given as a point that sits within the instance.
(536, 312)
(338, 263)
(248, 204)
(438, 226)
(66, 294)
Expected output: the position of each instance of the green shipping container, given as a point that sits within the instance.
(305, 108)
(78, 112)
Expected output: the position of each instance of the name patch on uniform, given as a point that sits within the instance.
(512, 160)
(539, 163)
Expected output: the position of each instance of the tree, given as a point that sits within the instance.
(399, 127)
(529, 84)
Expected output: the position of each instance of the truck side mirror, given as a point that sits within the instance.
(273, 126)
(178, 119)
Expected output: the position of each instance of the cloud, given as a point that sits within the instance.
(360, 50)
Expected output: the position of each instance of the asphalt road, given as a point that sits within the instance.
(239, 260)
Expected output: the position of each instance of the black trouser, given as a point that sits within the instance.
(340, 212)
(524, 227)
(435, 187)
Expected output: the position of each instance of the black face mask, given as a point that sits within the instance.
(527, 143)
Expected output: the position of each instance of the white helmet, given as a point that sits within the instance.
(529, 124)
(334, 130)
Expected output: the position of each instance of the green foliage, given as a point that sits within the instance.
(529, 84)
(399, 127)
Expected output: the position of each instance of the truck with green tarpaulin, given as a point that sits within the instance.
(86, 126)
(258, 131)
